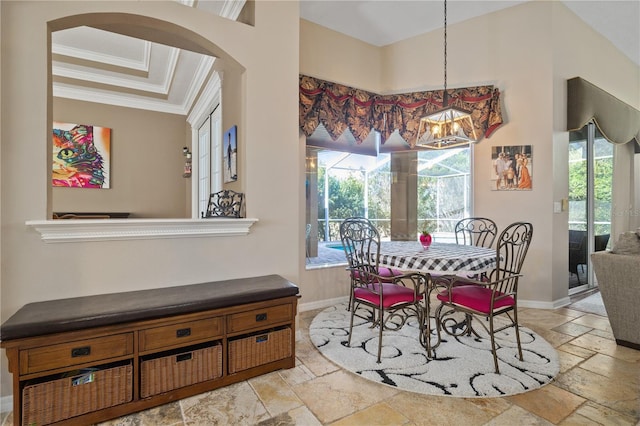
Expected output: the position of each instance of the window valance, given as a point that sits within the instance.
(338, 107)
(618, 122)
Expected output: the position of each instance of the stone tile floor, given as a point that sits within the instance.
(598, 384)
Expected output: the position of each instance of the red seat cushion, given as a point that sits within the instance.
(383, 272)
(388, 272)
(475, 297)
(392, 294)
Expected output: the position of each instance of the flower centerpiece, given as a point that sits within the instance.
(425, 236)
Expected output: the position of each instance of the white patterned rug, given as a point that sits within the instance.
(463, 366)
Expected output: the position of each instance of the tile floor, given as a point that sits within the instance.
(598, 384)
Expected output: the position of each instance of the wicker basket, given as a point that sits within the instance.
(60, 399)
(254, 350)
(173, 371)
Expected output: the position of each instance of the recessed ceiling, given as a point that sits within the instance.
(96, 65)
(104, 67)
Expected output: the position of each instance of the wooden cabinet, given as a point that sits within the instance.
(69, 354)
(260, 318)
(149, 361)
(180, 334)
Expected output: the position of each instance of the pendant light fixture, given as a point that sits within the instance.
(450, 126)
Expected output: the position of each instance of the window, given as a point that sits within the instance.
(205, 120)
(209, 159)
(590, 195)
(444, 190)
(346, 184)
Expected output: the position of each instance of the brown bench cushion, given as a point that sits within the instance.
(54, 316)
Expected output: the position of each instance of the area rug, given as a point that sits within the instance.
(462, 367)
(591, 304)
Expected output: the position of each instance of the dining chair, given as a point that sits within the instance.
(476, 231)
(391, 298)
(354, 257)
(225, 203)
(497, 297)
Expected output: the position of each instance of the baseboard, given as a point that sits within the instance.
(322, 303)
(6, 404)
(536, 304)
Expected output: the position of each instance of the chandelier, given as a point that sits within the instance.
(448, 127)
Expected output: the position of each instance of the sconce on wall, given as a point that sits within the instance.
(187, 162)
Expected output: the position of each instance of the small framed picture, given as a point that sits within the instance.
(230, 147)
(511, 168)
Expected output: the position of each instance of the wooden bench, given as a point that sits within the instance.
(141, 349)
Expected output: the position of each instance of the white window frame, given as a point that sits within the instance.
(208, 108)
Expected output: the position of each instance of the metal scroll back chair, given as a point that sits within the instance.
(578, 249)
(493, 298)
(225, 203)
(476, 231)
(391, 299)
(356, 257)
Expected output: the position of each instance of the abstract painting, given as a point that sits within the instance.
(81, 155)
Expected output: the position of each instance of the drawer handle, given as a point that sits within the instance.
(183, 357)
(261, 317)
(83, 351)
(262, 338)
(183, 332)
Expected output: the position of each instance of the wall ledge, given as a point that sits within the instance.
(81, 230)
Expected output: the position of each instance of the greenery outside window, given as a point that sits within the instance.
(350, 184)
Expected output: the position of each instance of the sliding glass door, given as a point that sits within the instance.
(590, 184)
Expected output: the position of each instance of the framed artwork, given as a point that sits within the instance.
(511, 168)
(230, 147)
(81, 155)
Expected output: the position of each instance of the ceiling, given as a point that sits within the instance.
(118, 70)
(395, 20)
(113, 69)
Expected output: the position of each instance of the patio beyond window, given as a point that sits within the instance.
(437, 191)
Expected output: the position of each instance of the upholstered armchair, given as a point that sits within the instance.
(618, 275)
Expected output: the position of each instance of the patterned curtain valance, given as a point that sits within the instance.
(338, 107)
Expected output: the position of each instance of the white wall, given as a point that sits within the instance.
(520, 50)
(33, 271)
(146, 162)
(528, 52)
(580, 51)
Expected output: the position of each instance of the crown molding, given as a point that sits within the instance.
(232, 9)
(129, 101)
(205, 103)
(90, 55)
(204, 67)
(63, 70)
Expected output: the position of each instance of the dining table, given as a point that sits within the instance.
(443, 261)
(439, 258)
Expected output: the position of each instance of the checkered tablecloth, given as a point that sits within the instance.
(440, 257)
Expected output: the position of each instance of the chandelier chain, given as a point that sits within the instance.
(445, 47)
